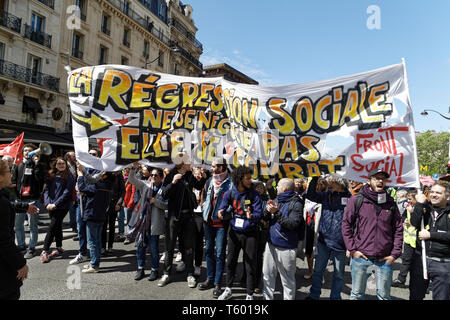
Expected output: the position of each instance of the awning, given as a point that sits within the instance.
(31, 104)
(36, 137)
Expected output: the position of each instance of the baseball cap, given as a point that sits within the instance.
(378, 170)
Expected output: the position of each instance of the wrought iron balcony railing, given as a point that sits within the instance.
(182, 29)
(38, 36)
(187, 55)
(21, 73)
(10, 21)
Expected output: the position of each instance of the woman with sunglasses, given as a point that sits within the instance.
(57, 197)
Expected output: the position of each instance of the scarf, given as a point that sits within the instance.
(217, 180)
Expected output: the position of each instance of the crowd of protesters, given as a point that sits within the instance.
(218, 213)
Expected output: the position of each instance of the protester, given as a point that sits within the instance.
(117, 196)
(151, 223)
(215, 228)
(242, 206)
(330, 244)
(72, 164)
(435, 215)
(95, 202)
(177, 189)
(13, 266)
(129, 202)
(57, 197)
(29, 180)
(285, 215)
(409, 235)
(121, 214)
(200, 231)
(374, 235)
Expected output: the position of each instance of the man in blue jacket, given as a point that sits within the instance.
(330, 243)
(242, 206)
(285, 217)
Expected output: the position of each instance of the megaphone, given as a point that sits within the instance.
(44, 148)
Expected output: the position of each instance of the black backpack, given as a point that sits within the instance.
(358, 203)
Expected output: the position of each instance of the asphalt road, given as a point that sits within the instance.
(57, 280)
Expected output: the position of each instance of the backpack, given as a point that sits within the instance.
(358, 203)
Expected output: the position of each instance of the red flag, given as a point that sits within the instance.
(14, 149)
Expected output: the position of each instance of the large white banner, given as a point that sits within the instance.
(279, 131)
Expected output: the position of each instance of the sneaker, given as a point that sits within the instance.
(179, 257)
(164, 280)
(257, 290)
(249, 297)
(56, 252)
(191, 282)
(140, 274)
(153, 275)
(226, 294)
(78, 259)
(29, 254)
(208, 284)
(86, 266)
(127, 241)
(217, 292)
(181, 267)
(44, 257)
(197, 271)
(163, 257)
(398, 284)
(90, 269)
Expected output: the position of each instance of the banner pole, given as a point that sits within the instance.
(424, 255)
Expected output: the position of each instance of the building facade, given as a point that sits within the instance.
(228, 73)
(39, 38)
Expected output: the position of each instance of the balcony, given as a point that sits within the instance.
(38, 36)
(77, 53)
(48, 3)
(187, 56)
(144, 23)
(126, 43)
(10, 21)
(20, 73)
(182, 29)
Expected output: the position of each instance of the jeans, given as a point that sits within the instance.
(94, 238)
(81, 233)
(33, 224)
(320, 264)
(153, 243)
(184, 226)
(128, 212)
(121, 220)
(55, 229)
(362, 270)
(73, 215)
(215, 262)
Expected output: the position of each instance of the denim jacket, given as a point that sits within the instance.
(206, 207)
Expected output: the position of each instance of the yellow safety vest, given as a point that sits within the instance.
(410, 233)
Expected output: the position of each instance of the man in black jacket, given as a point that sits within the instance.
(177, 189)
(13, 267)
(29, 180)
(436, 233)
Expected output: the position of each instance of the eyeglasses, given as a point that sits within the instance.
(154, 175)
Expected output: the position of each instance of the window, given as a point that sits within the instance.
(124, 61)
(37, 23)
(126, 37)
(162, 10)
(2, 51)
(161, 58)
(35, 64)
(82, 5)
(77, 46)
(176, 69)
(146, 51)
(103, 55)
(126, 7)
(105, 25)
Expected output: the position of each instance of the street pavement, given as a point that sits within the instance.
(57, 280)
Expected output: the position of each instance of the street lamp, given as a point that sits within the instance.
(175, 50)
(425, 113)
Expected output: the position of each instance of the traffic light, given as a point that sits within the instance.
(448, 168)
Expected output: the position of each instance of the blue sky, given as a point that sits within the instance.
(296, 41)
